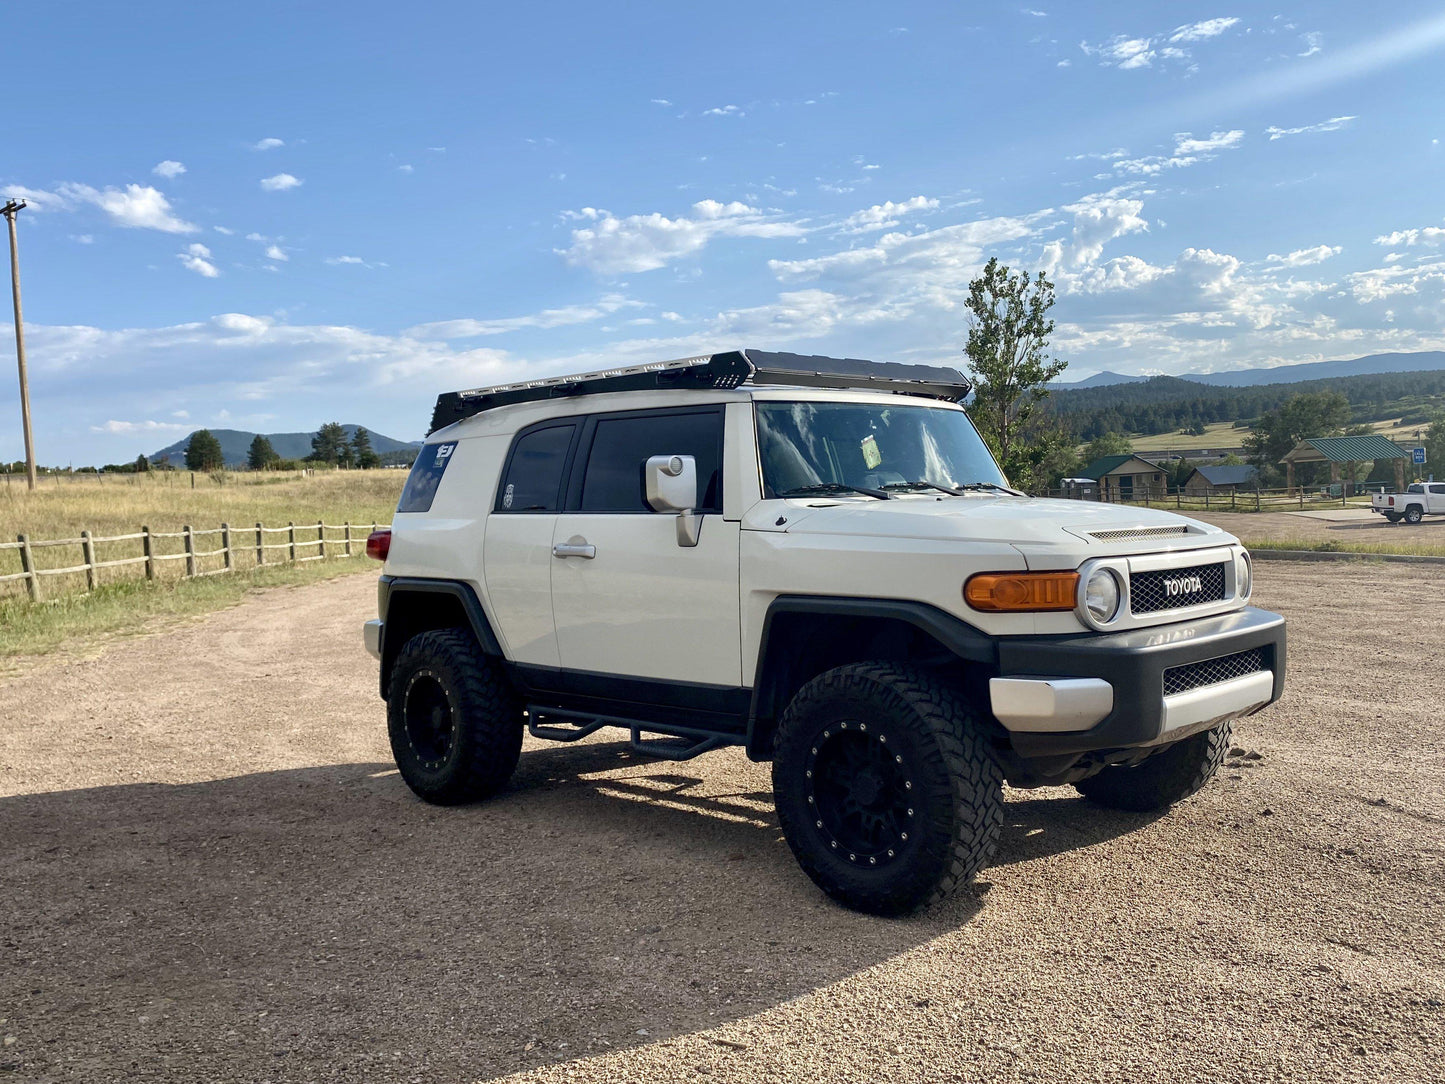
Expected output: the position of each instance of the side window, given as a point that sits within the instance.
(533, 478)
(621, 447)
(1438, 489)
(426, 475)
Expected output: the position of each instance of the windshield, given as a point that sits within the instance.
(869, 446)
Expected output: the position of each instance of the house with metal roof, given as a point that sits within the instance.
(1219, 478)
(1350, 451)
(1126, 477)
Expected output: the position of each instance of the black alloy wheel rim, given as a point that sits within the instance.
(860, 794)
(429, 720)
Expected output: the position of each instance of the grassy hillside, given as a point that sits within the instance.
(236, 443)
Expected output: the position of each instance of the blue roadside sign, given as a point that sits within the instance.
(1417, 455)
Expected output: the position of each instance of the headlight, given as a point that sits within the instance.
(1244, 575)
(1101, 596)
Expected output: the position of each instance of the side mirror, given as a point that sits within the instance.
(672, 487)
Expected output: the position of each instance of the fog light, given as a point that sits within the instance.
(1101, 596)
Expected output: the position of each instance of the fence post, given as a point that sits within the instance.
(291, 537)
(1234, 500)
(321, 538)
(193, 479)
(260, 544)
(87, 547)
(347, 528)
(147, 547)
(226, 545)
(1256, 500)
(190, 549)
(27, 565)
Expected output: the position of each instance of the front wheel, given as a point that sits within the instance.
(1165, 778)
(886, 789)
(1413, 514)
(454, 722)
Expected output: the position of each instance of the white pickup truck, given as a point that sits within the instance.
(1419, 500)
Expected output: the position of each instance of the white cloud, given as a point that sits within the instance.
(83, 239)
(1334, 124)
(660, 101)
(132, 428)
(281, 182)
(224, 230)
(268, 144)
(1098, 219)
(882, 216)
(1035, 14)
(724, 111)
(405, 169)
(1202, 31)
(136, 206)
(197, 258)
(168, 169)
(1313, 40)
(276, 252)
(1425, 235)
(611, 245)
(548, 318)
(254, 236)
(1129, 53)
(1305, 256)
(1188, 151)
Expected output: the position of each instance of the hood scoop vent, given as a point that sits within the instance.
(1129, 534)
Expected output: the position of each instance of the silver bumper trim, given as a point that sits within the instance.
(1050, 705)
(371, 636)
(1215, 703)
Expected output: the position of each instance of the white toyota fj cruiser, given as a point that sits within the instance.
(818, 560)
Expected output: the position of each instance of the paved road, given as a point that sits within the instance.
(211, 873)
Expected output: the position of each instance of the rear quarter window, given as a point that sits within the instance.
(426, 475)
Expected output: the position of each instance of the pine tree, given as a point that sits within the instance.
(142, 465)
(330, 445)
(366, 458)
(261, 456)
(203, 451)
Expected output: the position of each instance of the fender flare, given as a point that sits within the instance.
(391, 588)
(954, 634)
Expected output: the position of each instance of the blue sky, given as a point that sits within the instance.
(272, 216)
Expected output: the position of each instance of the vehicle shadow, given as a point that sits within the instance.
(322, 922)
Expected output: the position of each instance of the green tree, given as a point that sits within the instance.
(261, 456)
(1307, 414)
(330, 445)
(1434, 444)
(203, 451)
(1007, 349)
(1107, 444)
(366, 458)
(142, 465)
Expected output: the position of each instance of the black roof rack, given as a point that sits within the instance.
(725, 370)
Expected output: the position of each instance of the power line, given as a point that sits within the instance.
(10, 210)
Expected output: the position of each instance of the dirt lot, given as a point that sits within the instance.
(211, 873)
(1339, 525)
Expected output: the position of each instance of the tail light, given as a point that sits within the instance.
(378, 544)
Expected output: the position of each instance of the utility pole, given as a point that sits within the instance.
(10, 210)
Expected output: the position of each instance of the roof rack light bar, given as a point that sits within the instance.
(723, 370)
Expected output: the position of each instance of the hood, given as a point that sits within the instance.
(1038, 527)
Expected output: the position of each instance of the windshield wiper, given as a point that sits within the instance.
(921, 484)
(993, 485)
(835, 487)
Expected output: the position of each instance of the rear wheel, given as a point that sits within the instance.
(454, 723)
(1393, 517)
(1413, 514)
(886, 790)
(1165, 778)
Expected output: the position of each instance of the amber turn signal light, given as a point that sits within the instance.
(1022, 592)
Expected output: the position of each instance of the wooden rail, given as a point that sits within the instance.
(233, 540)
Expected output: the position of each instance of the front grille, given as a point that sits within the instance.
(1128, 534)
(1171, 588)
(1194, 675)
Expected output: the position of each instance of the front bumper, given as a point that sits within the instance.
(1079, 694)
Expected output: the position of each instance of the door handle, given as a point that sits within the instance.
(574, 549)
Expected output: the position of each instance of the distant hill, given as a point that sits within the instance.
(1099, 380)
(1420, 361)
(235, 443)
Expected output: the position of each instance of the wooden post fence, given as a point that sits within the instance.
(148, 548)
(87, 549)
(190, 549)
(226, 546)
(260, 544)
(27, 565)
(347, 528)
(291, 537)
(321, 538)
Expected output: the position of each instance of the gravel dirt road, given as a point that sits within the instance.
(212, 873)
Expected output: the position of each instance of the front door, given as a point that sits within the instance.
(626, 598)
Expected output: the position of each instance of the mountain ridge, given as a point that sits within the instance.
(236, 444)
(1368, 365)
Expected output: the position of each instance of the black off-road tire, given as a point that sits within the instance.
(1413, 514)
(939, 787)
(454, 721)
(1165, 778)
